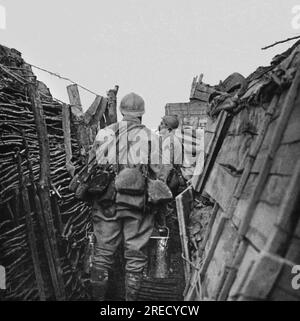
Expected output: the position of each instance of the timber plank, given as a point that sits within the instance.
(292, 132)
(184, 206)
(284, 161)
(262, 224)
(262, 277)
(92, 110)
(74, 97)
(220, 185)
(66, 124)
(220, 259)
(274, 190)
(240, 271)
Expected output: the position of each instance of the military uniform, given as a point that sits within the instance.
(172, 151)
(113, 221)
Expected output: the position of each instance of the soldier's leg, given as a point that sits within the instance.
(108, 237)
(137, 232)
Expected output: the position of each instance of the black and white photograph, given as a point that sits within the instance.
(149, 152)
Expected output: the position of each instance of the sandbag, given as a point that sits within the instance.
(109, 195)
(130, 181)
(133, 201)
(99, 183)
(81, 192)
(107, 201)
(158, 191)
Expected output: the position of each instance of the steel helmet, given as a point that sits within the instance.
(171, 121)
(132, 104)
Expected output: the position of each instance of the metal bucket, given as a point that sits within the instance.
(159, 256)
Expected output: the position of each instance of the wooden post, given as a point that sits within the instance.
(30, 230)
(74, 98)
(183, 205)
(44, 181)
(93, 116)
(93, 110)
(37, 208)
(66, 124)
(101, 113)
(78, 117)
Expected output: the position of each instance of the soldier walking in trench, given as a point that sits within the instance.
(120, 213)
(172, 147)
(172, 151)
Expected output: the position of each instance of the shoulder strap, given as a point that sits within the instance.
(118, 135)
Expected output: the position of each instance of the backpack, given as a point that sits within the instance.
(130, 181)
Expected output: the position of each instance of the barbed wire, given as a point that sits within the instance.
(55, 74)
(22, 80)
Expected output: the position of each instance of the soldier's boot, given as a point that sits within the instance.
(99, 283)
(133, 283)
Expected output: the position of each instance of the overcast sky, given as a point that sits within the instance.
(153, 48)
